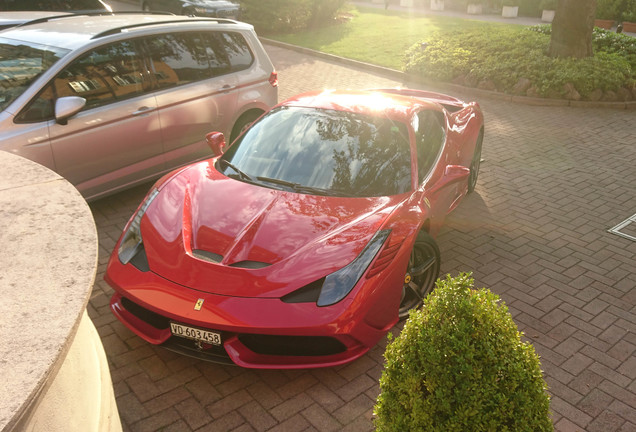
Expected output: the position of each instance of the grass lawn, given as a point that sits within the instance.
(379, 36)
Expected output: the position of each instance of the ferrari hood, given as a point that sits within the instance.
(223, 236)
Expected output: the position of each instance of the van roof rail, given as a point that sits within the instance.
(138, 25)
(96, 13)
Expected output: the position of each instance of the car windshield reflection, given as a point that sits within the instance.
(324, 152)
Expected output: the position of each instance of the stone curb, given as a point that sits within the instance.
(406, 78)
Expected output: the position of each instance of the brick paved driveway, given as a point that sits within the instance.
(553, 181)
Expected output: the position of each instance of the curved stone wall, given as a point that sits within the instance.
(48, 261)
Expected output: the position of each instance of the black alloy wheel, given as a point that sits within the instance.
(421, 274)
(475, 163)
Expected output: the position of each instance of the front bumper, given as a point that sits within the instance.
(263, 333)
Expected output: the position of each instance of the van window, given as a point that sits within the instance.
(178, 59)
(107, 74)
(182, 58)
(228, 52)
(21, 63)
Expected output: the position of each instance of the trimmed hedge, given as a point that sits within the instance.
(499, 57)
(459, 365)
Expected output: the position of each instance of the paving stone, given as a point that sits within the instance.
(193, 413)
(258, 418)
(156, 422)
(320, 419)
(291, 406)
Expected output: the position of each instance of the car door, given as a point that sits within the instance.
(116, 139)
(432, 160)
(196, 93)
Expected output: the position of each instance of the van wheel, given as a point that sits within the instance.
(243, 123)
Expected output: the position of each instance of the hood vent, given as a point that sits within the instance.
(216, 259)
(252, 265)
(207, 256)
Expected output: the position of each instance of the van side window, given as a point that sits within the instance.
(107, 74)
(430, 135)
(178, 58)
(231, 49)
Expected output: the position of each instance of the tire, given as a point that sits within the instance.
(421, 274)
(475, 163)
(242, 124)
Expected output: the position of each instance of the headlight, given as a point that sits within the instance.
(337, 285)
(131, 241)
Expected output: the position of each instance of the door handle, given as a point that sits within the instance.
(226, 88)
(143, 110)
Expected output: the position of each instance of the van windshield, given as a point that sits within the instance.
(20, 64)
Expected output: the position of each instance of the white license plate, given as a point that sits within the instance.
(195, 334)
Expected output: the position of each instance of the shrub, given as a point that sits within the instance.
(615, 9)
(281, 16)
(548, 4)
(504, 55)
(459, 365)
(606, 9)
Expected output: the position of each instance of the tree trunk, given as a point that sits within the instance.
(572, 29)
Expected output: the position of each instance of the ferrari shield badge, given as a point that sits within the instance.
(198, 305)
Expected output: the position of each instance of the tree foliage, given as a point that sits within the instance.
(283, 16)
(459, 365)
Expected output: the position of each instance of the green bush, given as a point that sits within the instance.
(502, 55)
(283, 16)
(460, 365)
(616, 10)
(548, 5)
(607, 9)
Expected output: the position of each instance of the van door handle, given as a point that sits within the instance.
(226, 88)
(143, 110)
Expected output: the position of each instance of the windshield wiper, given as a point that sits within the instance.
(297, 187)
(242, 175)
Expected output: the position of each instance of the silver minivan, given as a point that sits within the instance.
(116, 100)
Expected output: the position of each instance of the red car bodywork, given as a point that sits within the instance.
(300, 237)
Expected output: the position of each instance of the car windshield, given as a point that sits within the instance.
(20, 64)
(324, 152)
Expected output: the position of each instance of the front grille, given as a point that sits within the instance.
(148, 316)
(211, 353)
(292, 345)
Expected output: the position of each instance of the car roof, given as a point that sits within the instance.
(74, 31)
(368, 102)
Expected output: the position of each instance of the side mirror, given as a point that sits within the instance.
(68, 106)
(452, 174)
(216, 141)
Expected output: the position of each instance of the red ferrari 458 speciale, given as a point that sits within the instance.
(308, 238)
